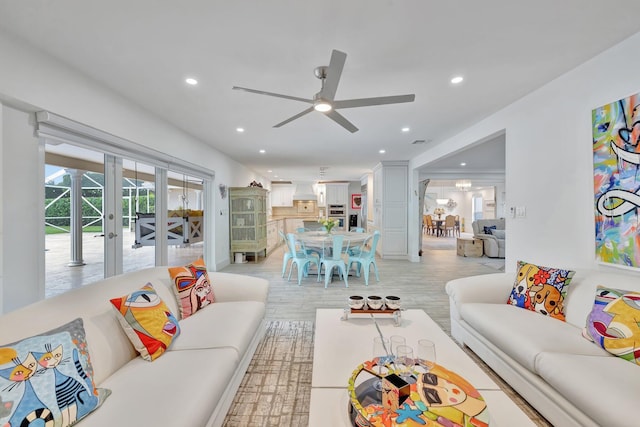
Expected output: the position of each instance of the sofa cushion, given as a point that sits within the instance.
(605, 388)
(228, 324)
(147, 321)
(523, 334)
(192, 287)
(540, 289)
(179, 389)
(48, 377)
(499, 234)
(613, 323)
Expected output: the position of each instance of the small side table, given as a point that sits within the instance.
(470, 247)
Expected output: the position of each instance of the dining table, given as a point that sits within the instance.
(322, 242)
(322, 239)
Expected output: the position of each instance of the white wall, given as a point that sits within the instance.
(31, 81)
(22, 210)
(1, 215)
(549, 164)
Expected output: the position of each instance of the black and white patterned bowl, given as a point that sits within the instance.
(392, 302)
(375, 302)
(356, 302)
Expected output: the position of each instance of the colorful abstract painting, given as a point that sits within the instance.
(616, 179)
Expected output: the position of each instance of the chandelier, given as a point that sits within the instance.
(463, 185)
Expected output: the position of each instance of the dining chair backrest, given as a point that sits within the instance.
(337, 241)
(374, 242)
(301, 230)
(429, 220)
(449, 221)
(291, 243)
(296, 247)
(357, 229)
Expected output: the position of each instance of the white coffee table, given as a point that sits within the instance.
(341, 345)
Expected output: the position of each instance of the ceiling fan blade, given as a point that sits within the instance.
(381, 100)
(333, 75)
(297, 116)
(278, 95)
(339, 118)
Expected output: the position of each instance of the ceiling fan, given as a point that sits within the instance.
(324, 101)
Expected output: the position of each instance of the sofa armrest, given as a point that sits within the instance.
(486, 288)
(485, 236)
(229, 287)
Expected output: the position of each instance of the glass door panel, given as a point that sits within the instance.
(138, 216)
(73, 211)
(185, 220)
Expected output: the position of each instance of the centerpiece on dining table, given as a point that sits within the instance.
(328, 223)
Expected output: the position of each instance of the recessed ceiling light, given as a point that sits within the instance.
(191, 81)
(382, 151)
(463, 164)
(239, 130)
(262, 151)
(406, 129)
(457, 79)
(269, 171)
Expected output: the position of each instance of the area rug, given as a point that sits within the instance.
(276, 389)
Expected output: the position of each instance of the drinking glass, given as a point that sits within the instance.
(426, 354)
(395, 341)
(381, 351)
(404, 361)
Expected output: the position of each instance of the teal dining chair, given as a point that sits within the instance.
(366, 258)
(287, 253)
(300, 258)
(332, 258)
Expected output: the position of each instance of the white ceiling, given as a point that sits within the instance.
(144, 50)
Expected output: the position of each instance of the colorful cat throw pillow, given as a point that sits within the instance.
(147, 321)
(192, 287)
(48, 379)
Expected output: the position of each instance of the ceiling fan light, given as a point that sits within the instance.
(322, 106)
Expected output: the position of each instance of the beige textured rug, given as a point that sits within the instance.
(276, 389)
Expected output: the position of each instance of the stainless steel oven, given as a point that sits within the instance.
(337, 210)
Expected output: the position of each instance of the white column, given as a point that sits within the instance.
(76, 217)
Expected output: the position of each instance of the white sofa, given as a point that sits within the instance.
(494, 244)
(191, 384)
(568, 379)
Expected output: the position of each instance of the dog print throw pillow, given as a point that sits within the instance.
(540, 289)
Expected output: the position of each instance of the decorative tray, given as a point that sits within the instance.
(439, 398)
(372, 311)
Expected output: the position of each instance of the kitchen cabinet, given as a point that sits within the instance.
(390, 204)
(321, 191)
(273, 234)
(282, 195)
(248, 220)
(338, 194)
